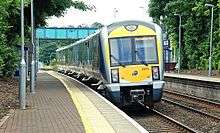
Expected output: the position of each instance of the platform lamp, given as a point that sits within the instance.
(115, 12)
(22, 82)
(179, 58)
(210, 50)
(33, 71)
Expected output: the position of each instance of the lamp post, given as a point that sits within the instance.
(32, 85)
(37, 55)
(210, 47)
(22, 86)
(115, 12)
(179, 58)
(166, 45)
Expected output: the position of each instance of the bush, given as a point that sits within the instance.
(8, 60)
(54, 65)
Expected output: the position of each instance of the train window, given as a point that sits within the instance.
(133, 50)
(94, 50)
(90, 51)
(80, 53)
(145, 49)
(121, 51)
(87, 53)
(77, 54)
(74, 55)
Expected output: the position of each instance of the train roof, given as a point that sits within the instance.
(131, 22)
(110, 28)
(78, 42)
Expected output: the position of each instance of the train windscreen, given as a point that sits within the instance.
(145, 49)
(133, 50)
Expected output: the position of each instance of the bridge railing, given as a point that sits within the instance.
(63, 33)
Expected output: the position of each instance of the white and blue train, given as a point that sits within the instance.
(124, 59)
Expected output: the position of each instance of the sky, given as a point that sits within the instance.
(104, 13)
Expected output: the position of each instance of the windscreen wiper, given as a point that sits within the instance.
(141, 61)
(117, 60)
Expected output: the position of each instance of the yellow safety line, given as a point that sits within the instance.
(92, 119)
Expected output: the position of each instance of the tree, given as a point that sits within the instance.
(48, 49)
(8, 55)
(97, 25)
(46, 8)
(10, 25)
(195, 29)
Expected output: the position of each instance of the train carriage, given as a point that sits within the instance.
(125, 59)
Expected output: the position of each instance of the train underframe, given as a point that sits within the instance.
(144, 95)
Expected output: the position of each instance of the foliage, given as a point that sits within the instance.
(47, 53)
(195, 29)
(54, 65)
(8, 55)
(10, 26)
(48, 49)
(45, 8)
(97, 25)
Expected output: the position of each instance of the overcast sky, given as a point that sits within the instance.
(127, 9)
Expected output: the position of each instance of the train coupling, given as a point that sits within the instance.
(137, 96)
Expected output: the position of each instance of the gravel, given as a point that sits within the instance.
(153, 122)
(8, 95)
(205, 107)
(191, 119)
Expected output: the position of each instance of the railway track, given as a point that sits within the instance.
(198, 105)
(155, 121)
(198, 114)
(214, 103)
(178, 125)
(191, 109)
(175, 117)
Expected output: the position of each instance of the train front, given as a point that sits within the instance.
(135, 63)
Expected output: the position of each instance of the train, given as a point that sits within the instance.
(124, 60)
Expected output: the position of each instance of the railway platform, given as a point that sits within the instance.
(63, 105)
(193, 77)
(199, 86)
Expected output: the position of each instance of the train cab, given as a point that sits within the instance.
(125, 59)
(135, 60)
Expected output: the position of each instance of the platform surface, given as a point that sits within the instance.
(50, 110)
(98, 115)
(62, 105)
(193, 77)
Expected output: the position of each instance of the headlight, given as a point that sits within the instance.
(114, 74)
(155, 73)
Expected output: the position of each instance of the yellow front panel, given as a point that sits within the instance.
(134, 73)
(128, 74)
(140, 31)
